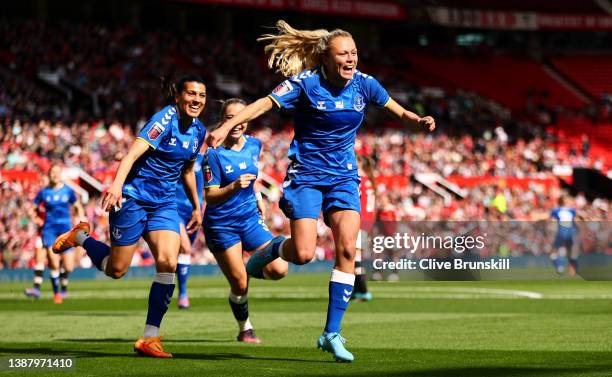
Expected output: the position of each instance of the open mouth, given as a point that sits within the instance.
(194, 107)
(348, 69)
(236, 131)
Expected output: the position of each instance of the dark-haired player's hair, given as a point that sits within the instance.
(171, 87)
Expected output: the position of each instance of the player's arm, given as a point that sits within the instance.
(408, 117)
(252, 111)
(216, 195)
(189, 183)
(261, 205)
(112, 196)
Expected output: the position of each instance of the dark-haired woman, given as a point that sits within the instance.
(142, 202)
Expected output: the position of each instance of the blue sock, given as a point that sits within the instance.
(159, 297)
(240, 306)
(340, 290)
(96, 251)
(182, 270)
(55, 281)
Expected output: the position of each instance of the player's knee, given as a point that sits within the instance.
(166, 265)
(276, 274)
(240, 287)
(116, 273)
(346, 250)
(304, 253)
(303, 258)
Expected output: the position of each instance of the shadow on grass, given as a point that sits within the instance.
(83, 353)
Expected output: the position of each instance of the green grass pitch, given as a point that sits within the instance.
(411, 328)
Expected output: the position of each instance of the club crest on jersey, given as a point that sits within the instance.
(156, 130)
(284, 88)
(358, 103)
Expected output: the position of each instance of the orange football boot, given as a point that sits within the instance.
(151, 347)
(68, 239)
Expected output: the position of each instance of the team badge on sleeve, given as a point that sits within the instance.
(284, 88)
(156, 130)
(207, 174)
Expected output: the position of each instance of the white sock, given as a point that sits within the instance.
(237, 299)
(245, 325)
(165, 277)
(104, 263)
(81, 236)
(184, 259)
(150, 331)
(280, 249)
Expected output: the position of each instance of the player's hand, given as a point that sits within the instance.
(111, 199)
(244, 181)
(216, 137)
(195, 222)
(428, 122)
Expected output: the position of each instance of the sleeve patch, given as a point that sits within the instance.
(284, 88)
(155, 130)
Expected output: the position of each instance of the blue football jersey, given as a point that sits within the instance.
(222, 167)
(57, 204)
(181, 196)
(154, 175)
(565, 216)
(326, 119)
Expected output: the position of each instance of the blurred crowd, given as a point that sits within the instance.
(108, 71)
(97, 149)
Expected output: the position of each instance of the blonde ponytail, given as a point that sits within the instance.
(292, 51)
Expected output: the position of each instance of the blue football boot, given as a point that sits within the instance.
(334, 343)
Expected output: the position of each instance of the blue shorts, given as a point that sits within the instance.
(252, 232)
(136, 218)
(185, 216)
(305, 195)
(50, 232)
(564, 240)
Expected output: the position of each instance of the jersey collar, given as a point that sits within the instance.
(322, 68)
